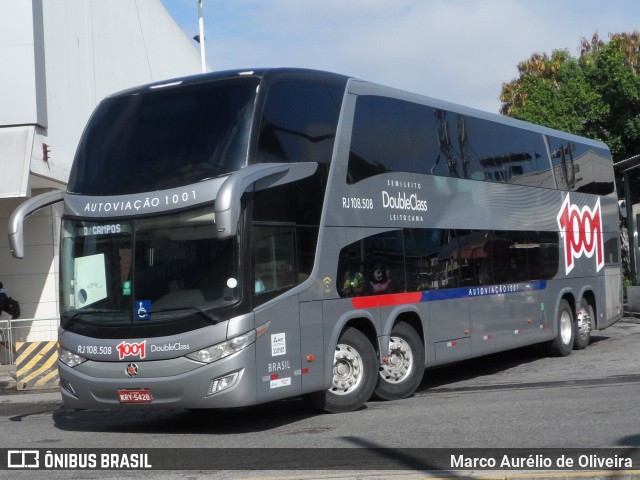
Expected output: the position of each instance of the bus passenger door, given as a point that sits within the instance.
(278, 363)
(274, 272)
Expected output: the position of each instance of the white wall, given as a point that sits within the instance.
(22, 89)
(59, 58)
(94, 48)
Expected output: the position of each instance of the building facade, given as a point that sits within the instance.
(59, 59)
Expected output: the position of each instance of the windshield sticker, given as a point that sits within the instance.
(90, 279)
(143, 309)
(278, 344)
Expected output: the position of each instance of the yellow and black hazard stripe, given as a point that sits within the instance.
(36, 366)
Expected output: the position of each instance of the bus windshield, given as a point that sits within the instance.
(160, 268)
(163, 139)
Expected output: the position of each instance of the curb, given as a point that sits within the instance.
(30, 397)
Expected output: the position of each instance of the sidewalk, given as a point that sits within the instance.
(10, 394)
(7, 378)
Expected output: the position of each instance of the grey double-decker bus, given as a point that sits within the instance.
(235, 238)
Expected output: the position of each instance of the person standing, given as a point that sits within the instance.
(4, 298)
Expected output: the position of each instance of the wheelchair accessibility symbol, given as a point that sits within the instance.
(143, 309)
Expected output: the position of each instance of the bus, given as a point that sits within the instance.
(239, 237)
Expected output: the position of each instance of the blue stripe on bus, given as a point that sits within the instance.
(483, 291)
(372, 301)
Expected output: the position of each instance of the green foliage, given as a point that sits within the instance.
(596, 94)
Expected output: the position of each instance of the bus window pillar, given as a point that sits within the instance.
(631, 229)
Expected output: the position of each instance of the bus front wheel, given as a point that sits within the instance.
(403, 368)
(354, 374)
(562, 344)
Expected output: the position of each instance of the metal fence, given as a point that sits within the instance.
(13, 332)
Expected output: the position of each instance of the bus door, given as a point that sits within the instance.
(273, 273)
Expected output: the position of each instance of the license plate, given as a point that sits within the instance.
(141, 395)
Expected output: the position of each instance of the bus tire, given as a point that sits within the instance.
(562, 344)
(584, 325)
(402, 373)
(354, 374)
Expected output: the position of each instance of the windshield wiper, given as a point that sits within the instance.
(90, 311)
(198, 310)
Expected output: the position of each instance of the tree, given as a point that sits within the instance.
(596, 94)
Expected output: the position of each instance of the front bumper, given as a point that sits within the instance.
(172, 383)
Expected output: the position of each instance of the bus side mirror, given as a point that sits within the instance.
(263, 175)
(16, 221)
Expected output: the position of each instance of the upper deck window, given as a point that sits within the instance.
(393, 135)
(299, 122)
(165, 138)
(581, 168)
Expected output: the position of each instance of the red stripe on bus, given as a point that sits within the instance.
(386, 300)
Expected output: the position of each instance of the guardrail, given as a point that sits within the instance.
(31, 345)
(24, 330)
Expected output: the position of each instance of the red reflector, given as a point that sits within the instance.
(305, 370)
(274, 376)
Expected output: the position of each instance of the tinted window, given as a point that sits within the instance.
(373, 266)
(274, 261)
(432, 259)
(164, 138)
(439, 259)
(500, 153)
(391, 135)
(282, 257)
(581, 168)
(299, 122)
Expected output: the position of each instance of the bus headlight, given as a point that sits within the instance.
(70, 359)
(224, 349)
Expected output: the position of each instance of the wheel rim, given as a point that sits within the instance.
(584, 323)
(400, 362)
(565, 327)
(348, 370)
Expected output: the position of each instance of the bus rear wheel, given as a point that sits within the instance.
(584, 325)
(562, 344)
(354, 374)
(402, 371)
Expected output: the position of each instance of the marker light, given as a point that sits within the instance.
(70, 359)
(224, 349)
